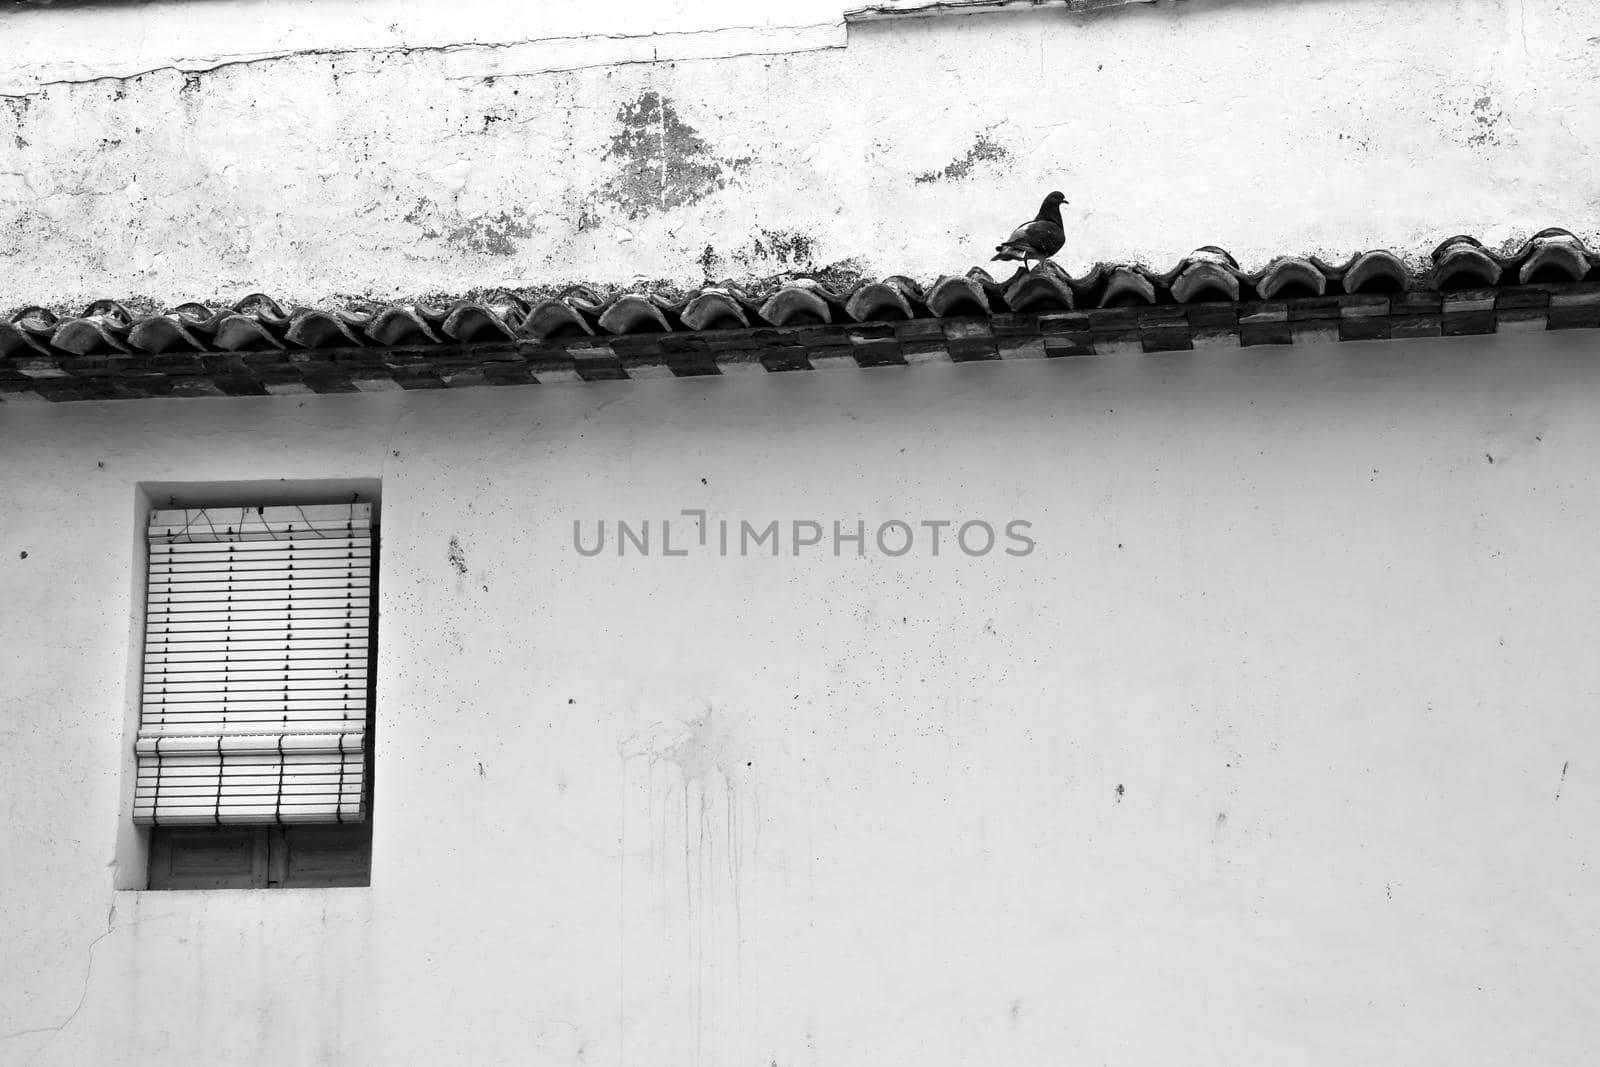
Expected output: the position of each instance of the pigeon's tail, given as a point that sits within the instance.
(1011, 252)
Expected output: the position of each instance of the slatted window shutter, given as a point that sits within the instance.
(255, 699)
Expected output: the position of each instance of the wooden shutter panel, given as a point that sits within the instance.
(210, 858)
(257, 623)
(324, 855)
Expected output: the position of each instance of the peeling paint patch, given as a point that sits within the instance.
(984, 150)
(494, 235)
(423, 215)
(665, 163)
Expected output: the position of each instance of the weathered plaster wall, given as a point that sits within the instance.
(63, 43)
(1268, 127)
(1282, 739)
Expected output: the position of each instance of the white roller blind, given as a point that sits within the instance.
(257, 623)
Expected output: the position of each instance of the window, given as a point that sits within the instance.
(254, 741)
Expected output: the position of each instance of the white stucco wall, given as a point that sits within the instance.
(62, 43)
(1280, 748)
(553, 153)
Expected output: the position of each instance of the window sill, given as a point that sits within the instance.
(293, 891)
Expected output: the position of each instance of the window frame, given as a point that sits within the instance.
(264, 856)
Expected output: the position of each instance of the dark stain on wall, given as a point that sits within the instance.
(786, 246)
(709, 261)
(664, 162)
(19, 108)
(588, 218)
(789, 249)
(983, 150)
(1486, 119)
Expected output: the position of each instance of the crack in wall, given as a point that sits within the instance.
(83, 993)
(197, 66)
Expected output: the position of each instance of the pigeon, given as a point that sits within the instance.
(1039, 239)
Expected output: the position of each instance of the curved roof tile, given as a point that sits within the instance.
(243, 333)
(396, 325)
(878, 302)
(469, 322)
(1127, 286)
(1038, 291)
(714, 309)
(1378, 271)
(1553, 256)
(550, 319)
(632, 313)
(91, 336)
(796, 305)
(310, 328)
(1289, 276)
(163, 333)
(953, 296)
(1462, 263)
(1206, 274)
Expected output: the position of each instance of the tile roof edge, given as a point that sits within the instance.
(108, 368)
(259, 345)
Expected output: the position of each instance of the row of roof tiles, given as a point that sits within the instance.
(259, 323)
(258, 348)
(1026, 335)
